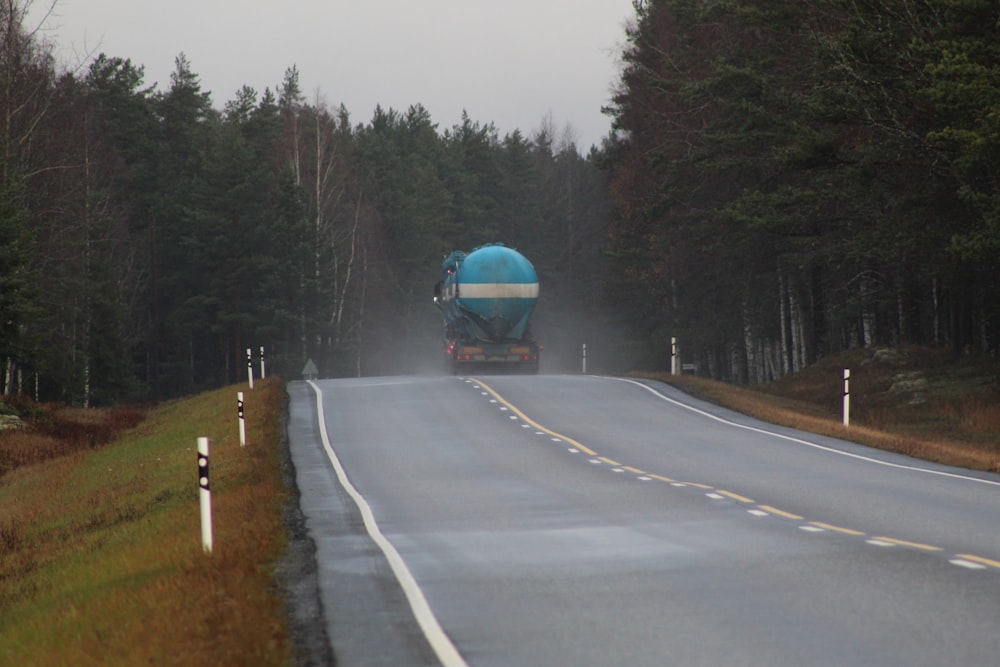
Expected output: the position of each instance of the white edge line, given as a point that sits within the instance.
(806, 442)
(436, 636)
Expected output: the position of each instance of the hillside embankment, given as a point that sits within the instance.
(101, 558)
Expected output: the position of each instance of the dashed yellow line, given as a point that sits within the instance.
(583, 448)
(837, 529)
(912, 545)
(734, 496)
(777, 512)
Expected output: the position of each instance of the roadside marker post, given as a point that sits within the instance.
(250, 366)
(204, 495)
(674, 364)
(847, 397)
(263, 372)
(242, 418)
(584, 358)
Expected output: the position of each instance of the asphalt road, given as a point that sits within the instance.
(578, 520)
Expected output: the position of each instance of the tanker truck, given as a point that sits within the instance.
(487, 297)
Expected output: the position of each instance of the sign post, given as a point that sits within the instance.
(242, 420)
(250, 367)
(847, 397)
(204, 496)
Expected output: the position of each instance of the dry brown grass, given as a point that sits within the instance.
(100, 549)
(913, 401)
(56, 430)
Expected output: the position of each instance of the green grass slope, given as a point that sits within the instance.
(101, 561)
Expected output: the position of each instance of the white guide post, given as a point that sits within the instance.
(847, 397)
(584, 358)
(263, 371)
(242, 420)
(250, 366)
(204, 496)
(674, 365)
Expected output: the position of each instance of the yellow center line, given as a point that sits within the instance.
(775, 510)
(767, 508)
(838, 529)
(583, 448)
(904, 543)
(734, 496)
(980, 560)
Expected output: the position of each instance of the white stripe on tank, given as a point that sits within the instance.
(498, 290)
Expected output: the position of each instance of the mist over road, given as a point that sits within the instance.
(579, 520)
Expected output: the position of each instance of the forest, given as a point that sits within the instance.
(147, 238)
(796, 178)
(782, 181)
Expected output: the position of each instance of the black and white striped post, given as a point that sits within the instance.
(847, 397)
(250, 366)
(674, 362)
(584, 358)
(263, 371)
(204, 495)
(242, 419)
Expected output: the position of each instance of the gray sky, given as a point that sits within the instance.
(510, 62)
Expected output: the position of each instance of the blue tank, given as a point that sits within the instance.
(487, 297)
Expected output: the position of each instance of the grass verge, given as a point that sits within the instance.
(100, 549)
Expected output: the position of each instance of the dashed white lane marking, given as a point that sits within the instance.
(514, 417)
(812, 529)
(879, 543)
(573, 450)
(618, 470)
(714, 496)
(643, 478)
(968, 564)
(758, 512)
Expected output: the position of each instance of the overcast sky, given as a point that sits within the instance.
(510, 62)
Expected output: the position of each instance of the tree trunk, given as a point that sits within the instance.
(867, 315)
(785, 350)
